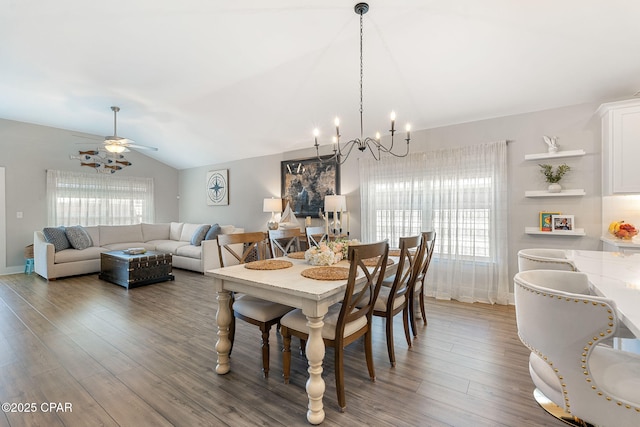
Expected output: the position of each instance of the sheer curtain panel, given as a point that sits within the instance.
(461, 193)
(75, 198)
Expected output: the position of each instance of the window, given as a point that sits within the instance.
(460, 193)
(91, 199)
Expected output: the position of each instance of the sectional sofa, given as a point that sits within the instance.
(194, 246)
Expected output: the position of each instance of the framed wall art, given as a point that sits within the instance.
(305, 182)
(563, 223)
(545, 220)
(218, 187)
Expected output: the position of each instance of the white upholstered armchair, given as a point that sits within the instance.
(564, 328)
(544, 259)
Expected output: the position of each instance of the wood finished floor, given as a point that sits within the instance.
(146, 357)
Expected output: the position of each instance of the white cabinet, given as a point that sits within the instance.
(620, 147)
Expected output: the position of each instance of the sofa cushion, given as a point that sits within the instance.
(168, 245)
(198, 235)
(57, 237)
(129, 245)
(94, 233)
(120, 233)
(190, 251)
(72, 255)
(188, 230)
(213, 232)
(155, 231)
(78, 237)
(175, 230)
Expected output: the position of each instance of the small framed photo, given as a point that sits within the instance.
(562, 223)
(545, 220)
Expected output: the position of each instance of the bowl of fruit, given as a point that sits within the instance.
(623, 230)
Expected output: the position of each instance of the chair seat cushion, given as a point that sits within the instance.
(298, 322)
(545, 379)
(383, 298)
(617, 372)
(259, 309)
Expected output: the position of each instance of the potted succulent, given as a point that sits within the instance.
(554, 177)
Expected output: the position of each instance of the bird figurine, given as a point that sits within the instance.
(552, 143)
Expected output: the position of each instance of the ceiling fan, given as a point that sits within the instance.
(118, 144)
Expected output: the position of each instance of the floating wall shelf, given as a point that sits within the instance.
(536, 230)
(571, 153)
(563, 193)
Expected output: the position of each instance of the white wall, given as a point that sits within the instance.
(27, 151)
(577, 127)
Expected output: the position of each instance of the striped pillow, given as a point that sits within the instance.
(57, 237)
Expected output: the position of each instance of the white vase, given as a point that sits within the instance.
(554, 188)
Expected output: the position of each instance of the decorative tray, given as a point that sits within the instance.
(268, 264)
(134, 251)
(326, 273)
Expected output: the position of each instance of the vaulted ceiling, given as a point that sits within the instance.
(210, 81)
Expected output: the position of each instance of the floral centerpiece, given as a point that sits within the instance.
(328, 253)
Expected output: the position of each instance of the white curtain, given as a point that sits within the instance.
(91, 199)
(461, 193)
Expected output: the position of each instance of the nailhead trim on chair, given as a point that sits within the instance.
(584, 354)
(547, 261)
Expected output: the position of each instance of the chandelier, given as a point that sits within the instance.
(341, 151)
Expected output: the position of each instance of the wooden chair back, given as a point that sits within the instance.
(427, 246)
(315, 236)
(235, 248)
(410, 253)
(284, 241)
(359, 300)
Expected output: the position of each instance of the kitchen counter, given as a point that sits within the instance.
(611, 244)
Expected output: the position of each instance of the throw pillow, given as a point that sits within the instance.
(57, 237)
(78, 237)
(200, 234)
(213, 232)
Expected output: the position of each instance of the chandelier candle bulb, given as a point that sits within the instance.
(393, 120)
(408, 131)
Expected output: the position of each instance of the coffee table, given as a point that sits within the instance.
(135, 270)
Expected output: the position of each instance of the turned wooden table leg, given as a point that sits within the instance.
(223, 345)
(315, 384)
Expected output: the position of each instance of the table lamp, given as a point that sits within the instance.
(272, 205)
(335, 203)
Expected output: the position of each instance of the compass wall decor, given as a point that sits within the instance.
(218, 187)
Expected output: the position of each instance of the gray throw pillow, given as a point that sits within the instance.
(78, 237)
(199, 234)
(57, 237)
(213, 232)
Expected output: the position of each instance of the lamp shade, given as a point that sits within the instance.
(335, 203)
(272, 205)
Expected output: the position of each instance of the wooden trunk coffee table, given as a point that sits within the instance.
(135, 270)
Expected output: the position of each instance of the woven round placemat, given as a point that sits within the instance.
(326, 273)
(394, 252)
(372, 262)
(296, 255)
(268, 264)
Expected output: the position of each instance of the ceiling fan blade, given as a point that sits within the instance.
(142, 147)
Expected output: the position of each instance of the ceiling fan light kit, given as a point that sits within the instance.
(341, 153)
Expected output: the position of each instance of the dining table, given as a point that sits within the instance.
(613, 275)
(286, 286)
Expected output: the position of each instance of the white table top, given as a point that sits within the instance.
(288, 286)
(616, 276)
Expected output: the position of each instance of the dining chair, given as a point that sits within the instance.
(427, 244)
(544, 259)
(235, 248)
(395, 292)
(578, 378)
(284, 241)
(315, 236)
(347, 321)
